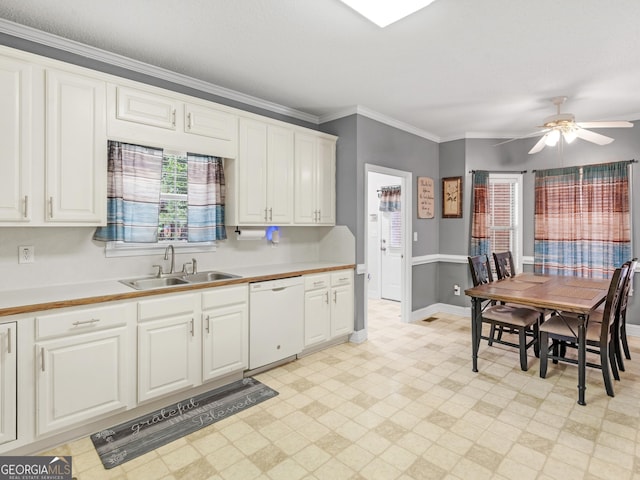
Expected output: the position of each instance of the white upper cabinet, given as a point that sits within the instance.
(53, 144)
(262, 192)
(154, 117)
(314, 180)
(76, 149)
(15, 138)
(145, 108)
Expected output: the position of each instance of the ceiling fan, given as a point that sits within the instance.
(563, 125)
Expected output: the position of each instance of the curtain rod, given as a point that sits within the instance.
(499, 171)
(633, 160)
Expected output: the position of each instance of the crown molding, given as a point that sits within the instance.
(109, 58)
(379, 117)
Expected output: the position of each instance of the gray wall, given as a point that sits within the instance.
(366, 141)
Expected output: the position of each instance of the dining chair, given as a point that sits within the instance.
(521, 320)
(620, 334)
(600, 336)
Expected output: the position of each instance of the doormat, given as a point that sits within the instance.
(136, 437)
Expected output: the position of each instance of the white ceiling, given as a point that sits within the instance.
(456, 68)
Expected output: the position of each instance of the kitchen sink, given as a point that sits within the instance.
(149, 283)
(210, 276)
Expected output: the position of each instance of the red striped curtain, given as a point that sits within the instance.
(480, 239)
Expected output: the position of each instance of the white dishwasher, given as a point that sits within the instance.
(276, 320)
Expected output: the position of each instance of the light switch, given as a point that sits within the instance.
(415, 236)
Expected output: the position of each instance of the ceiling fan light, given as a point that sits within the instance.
(552, 138)
(569, 136)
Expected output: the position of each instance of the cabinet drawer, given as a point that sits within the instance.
(313, 282)
(80, 321)
(341, 277)
(146, 108)
(165, 307)
(222, 296)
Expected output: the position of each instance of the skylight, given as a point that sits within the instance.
(385, 12)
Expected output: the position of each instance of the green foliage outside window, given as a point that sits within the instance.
(173, 199)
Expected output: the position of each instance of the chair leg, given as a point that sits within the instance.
(556, 350)
(492, 333)
(613, 360)
(536, 336)
(522, 340)
(544, 350)
(623, 336)
(604, 362)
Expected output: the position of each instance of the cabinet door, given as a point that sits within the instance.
(209, 122)
(316, 316)
(81, 377)
(165, 356)
(305, 210)
(280, 175)
(76, 149)
(252, 172)
(8, 382)
(341, 310)
(15, 138)
(224, 339)
(326, 182)
(146, 108)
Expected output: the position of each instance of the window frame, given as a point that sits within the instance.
(518, 180)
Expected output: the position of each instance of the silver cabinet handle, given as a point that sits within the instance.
(319, 216)
(265, 214)
(26, 206)
(335, 296)
(326, 298)
(42, 357)
(189, 120)
(88, 323)
(270, 214)
(208, 324)
(191, 330)
(9, 341)
(173, 117)
(50, 207)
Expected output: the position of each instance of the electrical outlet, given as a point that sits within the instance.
(456, 289)
(26, 254)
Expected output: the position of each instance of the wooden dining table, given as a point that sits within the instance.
(549, 292)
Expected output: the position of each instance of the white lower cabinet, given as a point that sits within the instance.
(225, 331)
(168, 349)
(83, 361)
(328, 306)
(8, 382)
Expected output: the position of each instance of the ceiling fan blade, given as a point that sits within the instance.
(612, 124)
(539, 145)
(593, 137)
(528, 135)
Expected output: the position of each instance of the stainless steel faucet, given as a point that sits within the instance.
(194, 266)
(173, 257)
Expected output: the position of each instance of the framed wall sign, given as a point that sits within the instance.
(426, 197)
(452, 197)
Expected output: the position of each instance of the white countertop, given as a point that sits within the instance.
(41, 296)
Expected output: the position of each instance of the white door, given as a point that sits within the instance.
(391, 255)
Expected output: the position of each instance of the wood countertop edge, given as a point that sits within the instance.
(37, 307)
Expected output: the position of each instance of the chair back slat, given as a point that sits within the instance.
(504, 264)
(628, 284)
(480, 270)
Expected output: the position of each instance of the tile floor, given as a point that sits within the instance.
(406, 405)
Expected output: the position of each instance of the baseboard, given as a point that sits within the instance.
(633, 330)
